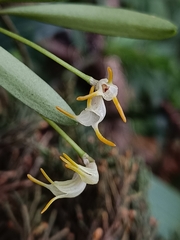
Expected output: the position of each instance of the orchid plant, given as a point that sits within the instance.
(33, 91)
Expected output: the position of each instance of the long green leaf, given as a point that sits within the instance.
(98, 19)
(25, 85)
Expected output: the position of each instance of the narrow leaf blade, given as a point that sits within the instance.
(29, 88)
(98, 19)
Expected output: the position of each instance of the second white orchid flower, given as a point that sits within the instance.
(83, 175)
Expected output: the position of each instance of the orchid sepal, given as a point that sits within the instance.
(83, 175)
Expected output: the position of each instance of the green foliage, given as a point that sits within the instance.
(96, 19)
(25, 85)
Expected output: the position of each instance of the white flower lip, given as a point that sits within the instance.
(96, 112)
(83, 175)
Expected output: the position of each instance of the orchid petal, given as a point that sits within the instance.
(110, 75)
(49, 203)
(119, 108)
(91, 95)
(46, 176)
(98, 107)
(88, 174)
(95, 113)
(101, 138)
(102, 86)
(90, 99)
(111, 92)
(70, 188)
(66, 113)
(87, 117)
(37, 181)
(92, 176)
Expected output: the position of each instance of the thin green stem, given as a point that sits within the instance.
(65, 136)
(47, 53)
(21, 47)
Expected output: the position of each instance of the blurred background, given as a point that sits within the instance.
(138, 193)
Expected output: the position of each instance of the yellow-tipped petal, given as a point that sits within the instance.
(46, 176)
(119, 108)
(89, 96)
(90, 99)
(66, 113)
(76, 169)
(102, 139)
(110, 75)
(48, 204)
(68, 160)
(71, 164)
(36, 181)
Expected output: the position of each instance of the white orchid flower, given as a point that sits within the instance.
(92, 115)
(83, 175)
(107, 90)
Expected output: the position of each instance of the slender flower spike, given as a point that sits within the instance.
(92, 115)
(107, 90)
(83, 175)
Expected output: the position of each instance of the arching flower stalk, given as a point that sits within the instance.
(92, 115)
(83, 175)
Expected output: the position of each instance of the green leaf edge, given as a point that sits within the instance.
(98, 19)
(29, 88)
